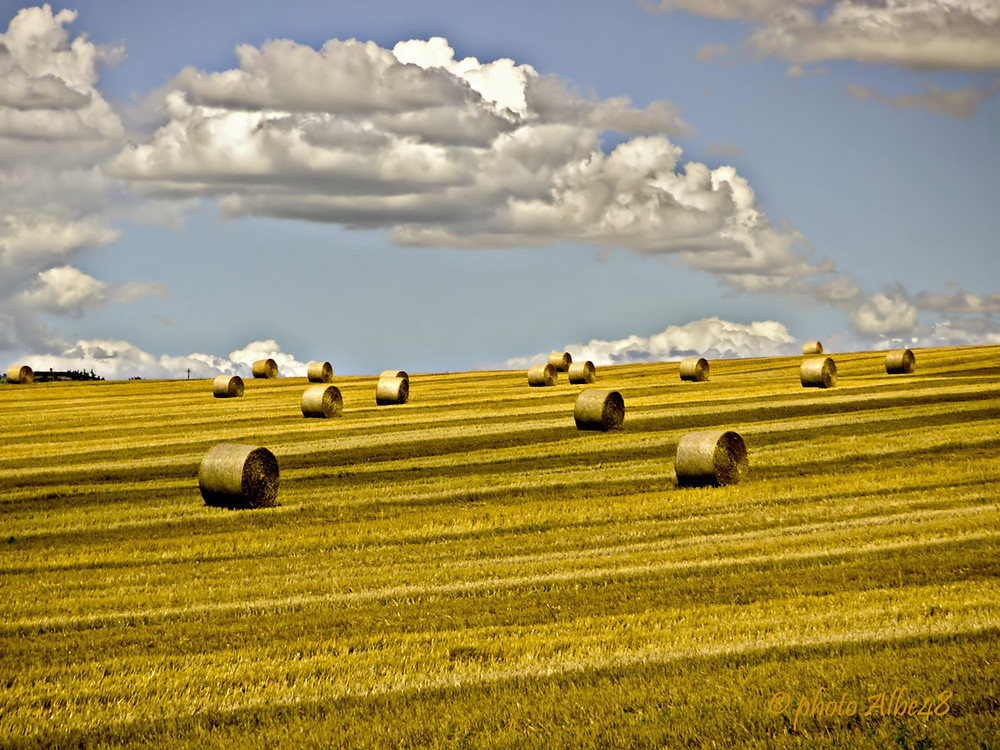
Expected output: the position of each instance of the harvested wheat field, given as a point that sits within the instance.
(468, 569)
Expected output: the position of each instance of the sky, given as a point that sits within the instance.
(439, 186)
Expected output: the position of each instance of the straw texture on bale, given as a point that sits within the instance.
(394, 374)
(319, 372)
(265, 368)
(392, 391)
(694, 369)
(812, 347)
(542, 375)
(322, 401)
(710, 458)
(599, 410)
(582, 372)
(20, 374)
(900, 362)
(238, 476)
(820, 372)
(227, 386)
(561, 361)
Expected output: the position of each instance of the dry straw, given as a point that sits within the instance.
(227, 386)
(582, 372)
(391, 390)
(599, 410)
(710, 458)
(319, 372)
(238, 476)
(322, 401)
(820, 372)
(898, 362)
(394, 374)
(561, 361)
(21, 375)
(812, 347)
(694, 369)
(542, 375)
(265, 368)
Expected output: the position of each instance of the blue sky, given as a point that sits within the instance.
(191, 186)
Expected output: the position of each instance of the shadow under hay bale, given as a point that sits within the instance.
(710, 458)
(599, 410)
(265, 368)
(391, 390)
(561, 361)
(900, 362)
(20, 375)
(541, 375)
(694, 369)
(238, 476)
(227, 386)
(322, 401)
(820, 372)
(812, 347)
(582, 372)
(319, 372)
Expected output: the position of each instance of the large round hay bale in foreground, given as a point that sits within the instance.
(319, 372)
(392, 391)
(582, 372)
(21, 375)
(322, 401)
(561, 361)
(394, 374)
(710, 458)
(227, 386)
(900, 362)
(819, 372)
(599, 410)
(541, 375)
(694, 369)
(812, 347)
(265, 368)
(238, 476)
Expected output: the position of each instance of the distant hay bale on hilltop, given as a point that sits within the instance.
(392, 390)
(812, 347)
(582, 372)
(694, 369)
(319, 372)
(561, 361)
(710, 458)
(238, 476)
(322, 401)
(21, 375)
(265, 368)
(542, 375)
(900, 362)
(227, 386)
(820, 372)
(599, 410)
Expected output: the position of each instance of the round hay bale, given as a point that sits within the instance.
(582, 372)
(227, 386)
(542, 375)
(812, 347)
(820, 372)
(710, 458)
(319, 372)
(392, 391)
(694, 369)
(21, 375)
(599, 410)
(394, 374)
(561, 361)
(238, 476)
(322, 401)
(898, 362)
(265, 368)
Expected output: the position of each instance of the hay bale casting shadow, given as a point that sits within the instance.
(227, 386)
(561, 361)
(542, 375)
(392, 391)
(710, 458)
(820, 372)
(599, 410)
(812, 347)
(238, 476)
(899, 362)
(322, 401)
(582, 372)
(694, 369)
(265, 368)
(319, 372)
(21, 375)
